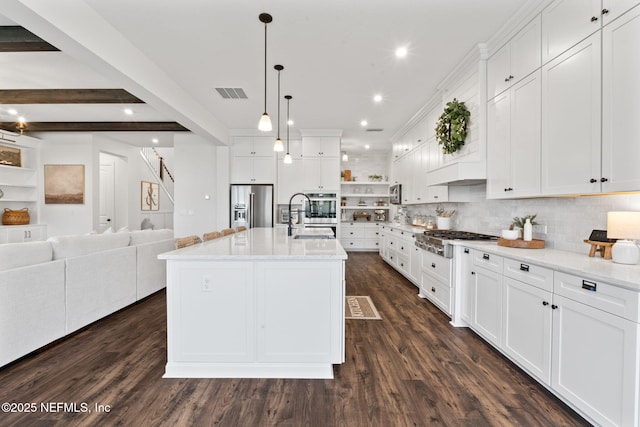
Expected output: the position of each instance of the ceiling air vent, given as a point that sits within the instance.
(375, 130)
(231, 92)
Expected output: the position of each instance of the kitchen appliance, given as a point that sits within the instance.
(320, 211)
(251, 205)
(395, 194)
(437, 241)
(380, 215)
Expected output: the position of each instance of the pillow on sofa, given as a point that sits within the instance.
(14, 255)
(72, 246)
(145, 236)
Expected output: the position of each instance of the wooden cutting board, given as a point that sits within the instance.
(519, 243)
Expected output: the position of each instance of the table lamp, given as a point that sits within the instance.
(624, 226)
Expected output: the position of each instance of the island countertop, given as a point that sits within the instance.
(263, 244)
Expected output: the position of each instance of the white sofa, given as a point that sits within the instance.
(50, 289)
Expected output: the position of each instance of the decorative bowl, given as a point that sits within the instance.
(510, 234)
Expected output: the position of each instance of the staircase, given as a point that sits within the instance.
(159, 169)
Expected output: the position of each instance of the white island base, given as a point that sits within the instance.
(257, 304)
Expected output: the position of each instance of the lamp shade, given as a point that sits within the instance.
(623, 225)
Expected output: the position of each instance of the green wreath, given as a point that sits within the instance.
(451, 128)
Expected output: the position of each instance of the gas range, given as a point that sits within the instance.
(436, 241)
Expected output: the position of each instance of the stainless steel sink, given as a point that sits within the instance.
(312, 236)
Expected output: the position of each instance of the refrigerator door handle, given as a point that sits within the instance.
(251, 212)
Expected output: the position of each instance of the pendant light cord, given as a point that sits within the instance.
(265, 68)
(278, 104)
(288, 99)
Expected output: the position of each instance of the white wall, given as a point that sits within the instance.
(202, 175)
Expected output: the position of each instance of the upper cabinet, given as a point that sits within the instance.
(252, 146)
(612, 9)
(320, 146)
(252, 160)
(621, 103)
(567, 22)
(517, 59)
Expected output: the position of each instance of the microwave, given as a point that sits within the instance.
(395, 194)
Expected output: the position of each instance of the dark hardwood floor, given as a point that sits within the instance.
(410, 369)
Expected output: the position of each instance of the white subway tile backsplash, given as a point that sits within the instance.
(569, 220)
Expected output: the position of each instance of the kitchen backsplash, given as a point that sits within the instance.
(569, 220)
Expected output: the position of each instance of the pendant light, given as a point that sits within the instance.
(278, 144)
(287, 158)
(265, 122)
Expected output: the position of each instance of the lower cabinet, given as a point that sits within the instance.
(364, 236)
(23, 233)
(435, 284)
(577, 336)
(397, 249)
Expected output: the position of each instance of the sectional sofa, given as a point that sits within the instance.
(53, 288)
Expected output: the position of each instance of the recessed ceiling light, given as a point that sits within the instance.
(367, 146)
(290, 122)
(155, 140)
(401, 52)
(12, 111)
(128, 111)
(377, 97)
(364, 123)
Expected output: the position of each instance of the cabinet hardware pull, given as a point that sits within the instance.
(594, 18)
(506, 79)
(603, 179)
(485, 256)
(605, 11)
(433, 264)
(433, 289)
(553, 306)
(473, 273)
(435, 197)
(593, 180)
(590, 286)
(466, 250)
(510, 77)
(545, 303)
(524, 267)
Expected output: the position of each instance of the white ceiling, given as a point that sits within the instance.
(172, 54)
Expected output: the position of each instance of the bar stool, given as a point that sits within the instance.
(183, 242)
(212, 235)
(241, 228)
(227, 231)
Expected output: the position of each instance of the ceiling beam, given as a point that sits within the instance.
(96, 127)
(14, 38)
(67, 96)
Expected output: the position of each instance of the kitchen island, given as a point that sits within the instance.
(256, 304)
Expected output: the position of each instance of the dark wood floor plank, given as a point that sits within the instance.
(410, 369)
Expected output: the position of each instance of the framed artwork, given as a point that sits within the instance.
(64, 184)
(10, 156)
(149, 196)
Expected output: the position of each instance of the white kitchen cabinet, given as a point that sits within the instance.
(252, 170)
(321, 174)
(281, 298)
(289, 180)
(487, 292)
(595, 362)
(513, 141)
(621, 103)
(396, 250)
(23, 233)
(612, 9)
(320, 146)
(526, 329)
(360, 236)
(435, 284)
(259, 146)
(19, 183)
(571, 121)
(567, 22)
(514, 61)
(419, 174)
(416, 265)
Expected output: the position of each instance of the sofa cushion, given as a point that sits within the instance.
(146, 236)
(72, 246)
(14, 255)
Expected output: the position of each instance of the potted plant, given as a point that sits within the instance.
(518, 222)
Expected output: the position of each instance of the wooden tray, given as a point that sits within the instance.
(519, 243)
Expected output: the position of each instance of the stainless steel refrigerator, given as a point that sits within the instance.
(251, 205)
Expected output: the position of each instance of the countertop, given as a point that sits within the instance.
(263, 244)
(594, 268)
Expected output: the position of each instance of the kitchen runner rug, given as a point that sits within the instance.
(360, 307)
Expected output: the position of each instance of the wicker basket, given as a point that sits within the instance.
(15, 217)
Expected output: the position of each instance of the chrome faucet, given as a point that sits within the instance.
(290, 227)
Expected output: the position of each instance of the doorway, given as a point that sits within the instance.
(114, 193)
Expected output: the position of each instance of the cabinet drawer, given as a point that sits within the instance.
(404, 247)
(489, 261)
(349, 243)
(371, 244)
(437, 266)
(437, 292)
(402, 262)
(539, 277)
(604, 296)
(352, 232)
